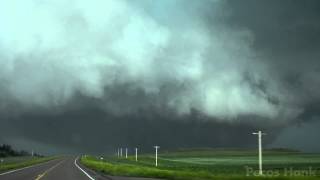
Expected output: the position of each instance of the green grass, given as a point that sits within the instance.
(10, 163)
(207, 164)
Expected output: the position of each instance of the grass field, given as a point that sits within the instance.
(211, 164)
(10, 163)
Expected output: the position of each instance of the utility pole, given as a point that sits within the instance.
(136, 154)
(259, 133)
(157, 147)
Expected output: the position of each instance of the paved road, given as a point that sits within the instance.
(60, 169)
(64, 168)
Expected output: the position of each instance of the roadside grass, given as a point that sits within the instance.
(204, 165)
(11, 163)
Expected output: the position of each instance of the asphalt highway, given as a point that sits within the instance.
(59, 169)
(67, 168)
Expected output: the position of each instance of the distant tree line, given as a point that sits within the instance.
(6, 150)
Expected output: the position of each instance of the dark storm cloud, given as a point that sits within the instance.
(287, 36)
(286, 28)
(65, 51)
(85, 126)
(202, 73)
(91, 129)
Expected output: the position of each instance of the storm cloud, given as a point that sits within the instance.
(114, 69)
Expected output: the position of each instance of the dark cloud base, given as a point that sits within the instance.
(93, 130)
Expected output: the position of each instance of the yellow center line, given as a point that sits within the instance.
(48, 170)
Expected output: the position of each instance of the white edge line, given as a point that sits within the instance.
(75, 163)
(15, 170)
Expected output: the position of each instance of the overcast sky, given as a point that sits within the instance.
(94, 75)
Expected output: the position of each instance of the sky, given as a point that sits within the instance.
(91, 76)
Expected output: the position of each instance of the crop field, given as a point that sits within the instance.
(9, 163)
(211, 164)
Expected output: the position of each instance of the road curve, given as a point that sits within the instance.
(67, 168)
(64, 168)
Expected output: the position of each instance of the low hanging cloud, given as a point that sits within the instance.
(179, 54)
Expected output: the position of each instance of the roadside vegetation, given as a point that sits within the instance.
(12, 159)
(210, 164)
(6, 150)
(10, 163)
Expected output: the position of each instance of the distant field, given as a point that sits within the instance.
(211, 164)
(10, 163)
